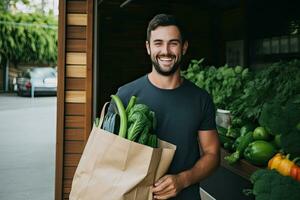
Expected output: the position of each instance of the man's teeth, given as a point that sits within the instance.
(165, 59)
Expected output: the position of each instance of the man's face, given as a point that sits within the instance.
(166, 49)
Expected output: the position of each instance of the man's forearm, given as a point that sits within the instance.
(202, 169)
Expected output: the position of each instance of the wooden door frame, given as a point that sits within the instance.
(60, 101)
(61, 90)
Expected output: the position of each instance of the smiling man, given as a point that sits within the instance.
(185, 113)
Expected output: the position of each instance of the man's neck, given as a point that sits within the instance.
(165, 82)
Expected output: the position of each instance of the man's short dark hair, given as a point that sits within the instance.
(164, 20)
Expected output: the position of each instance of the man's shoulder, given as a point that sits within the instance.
(137, 83)
(195, 89)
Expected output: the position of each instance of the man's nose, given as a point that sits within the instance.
(165, 49)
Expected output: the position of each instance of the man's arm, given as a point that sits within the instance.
(170, 185)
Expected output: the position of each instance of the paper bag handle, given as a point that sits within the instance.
(102, 114)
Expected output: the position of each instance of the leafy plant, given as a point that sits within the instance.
(224, 83)
(274, 83)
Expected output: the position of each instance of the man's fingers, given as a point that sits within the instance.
(167, 189)
(161, 187)
(165, 195)
(162, 179)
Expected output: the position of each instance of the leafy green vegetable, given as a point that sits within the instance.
(233, 132)
(141, 121)
(139, 108)
(138, 122)
(152, 141)
(144, 136)
(153, 119)
(277, 82)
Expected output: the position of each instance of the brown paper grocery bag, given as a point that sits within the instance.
(114, 168)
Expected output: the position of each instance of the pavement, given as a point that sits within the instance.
(27, 147)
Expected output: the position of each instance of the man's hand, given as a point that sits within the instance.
(168, 186)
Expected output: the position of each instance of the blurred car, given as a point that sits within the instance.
(42, 80)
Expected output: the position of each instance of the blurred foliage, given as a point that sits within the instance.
(28, 38)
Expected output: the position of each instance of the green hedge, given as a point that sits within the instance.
(28, 38)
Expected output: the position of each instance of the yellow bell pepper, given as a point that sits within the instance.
(281, 163)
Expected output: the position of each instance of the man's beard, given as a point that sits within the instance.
(160, 70)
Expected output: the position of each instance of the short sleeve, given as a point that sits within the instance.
(208, 121)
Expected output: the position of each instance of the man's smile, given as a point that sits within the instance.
(166, 60)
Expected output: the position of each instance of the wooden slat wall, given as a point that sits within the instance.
(76, 67)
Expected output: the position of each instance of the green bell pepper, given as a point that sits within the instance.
(259, 152)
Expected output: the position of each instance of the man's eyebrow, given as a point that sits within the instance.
(172, 40)
(175, 40)
(157, 40)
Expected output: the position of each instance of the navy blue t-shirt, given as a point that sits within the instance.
(180, 113)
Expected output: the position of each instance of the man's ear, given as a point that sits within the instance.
(185, 47)
(148, 47)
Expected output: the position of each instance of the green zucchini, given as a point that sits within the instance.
(131, 103)
(122, 114)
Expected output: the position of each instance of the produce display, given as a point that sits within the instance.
(264, 105)
(135, 123)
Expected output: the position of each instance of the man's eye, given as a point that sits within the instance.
(157, 44)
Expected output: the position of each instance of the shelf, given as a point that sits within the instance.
(241, 168)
